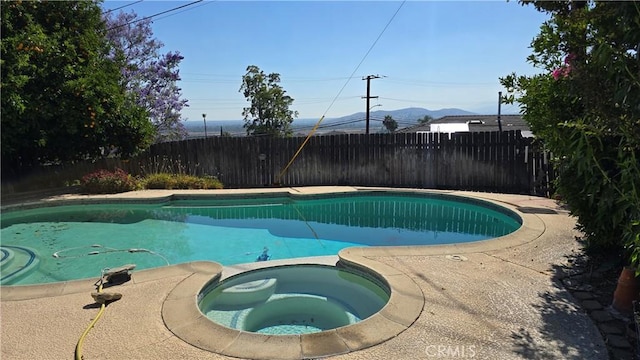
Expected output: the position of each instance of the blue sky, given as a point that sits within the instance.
(433, 54)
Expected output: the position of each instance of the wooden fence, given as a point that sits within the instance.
(485, 161)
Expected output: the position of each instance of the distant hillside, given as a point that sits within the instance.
(407, 114)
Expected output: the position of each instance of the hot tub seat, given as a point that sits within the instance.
(251, 292)
(300, 309)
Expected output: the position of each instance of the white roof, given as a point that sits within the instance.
(449, 127)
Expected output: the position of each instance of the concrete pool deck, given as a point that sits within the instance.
(495, 299)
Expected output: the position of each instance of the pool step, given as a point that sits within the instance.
(6, 258)
(15, 263)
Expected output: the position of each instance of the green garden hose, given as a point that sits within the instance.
(103, 305)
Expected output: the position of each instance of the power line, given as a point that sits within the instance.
(180, 12)
(315, 79)
(200, 77)
(337, 95)
(333, 124)
(309, 127)
(402, 100)
(365, 56)
(121, 7)
(329, 126)
(399, 122)
(154, 15)
(414, 82)
(227, 103)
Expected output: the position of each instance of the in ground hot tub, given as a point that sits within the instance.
(293, 299)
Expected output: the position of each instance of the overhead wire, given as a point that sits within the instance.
(426, 83)
(180, 12)
(311, 100)
(292, 79)
(399, 122)
(121, 7)
(154, 15)
(284, 170)
(402, 100)
(327, 126)
(365, 56)
(333, 124)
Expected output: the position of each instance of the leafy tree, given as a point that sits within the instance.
(585, 107)
(62, 99)
(389, 123)
(425, 120)
(269, 112)
(151, 76)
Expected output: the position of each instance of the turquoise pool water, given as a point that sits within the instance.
(77, 241)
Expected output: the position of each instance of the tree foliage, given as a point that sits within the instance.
(390, 123)
(585, 106)
(425, 120)
(62, 98)
(268, 113)
(152, 77)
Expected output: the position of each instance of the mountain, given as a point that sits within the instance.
(404, 117)
(410, 115)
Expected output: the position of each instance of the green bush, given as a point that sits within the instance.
(600, 185)
(180, 181)
(584, 107)
(212, 182)
(188, 182)
(108, 182)
(159, 181)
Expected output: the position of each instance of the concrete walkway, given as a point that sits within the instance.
(497, 299)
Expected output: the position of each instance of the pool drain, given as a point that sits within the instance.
(456, 257)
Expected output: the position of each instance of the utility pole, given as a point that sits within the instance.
(204, 118)
(368, 78)
(499, 103)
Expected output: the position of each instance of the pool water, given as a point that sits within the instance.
(78, 241)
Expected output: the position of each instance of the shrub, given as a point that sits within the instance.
(212, 182)
(159, 181)
(180, 181)
(107, 182)
(584, 107)
(189, 182)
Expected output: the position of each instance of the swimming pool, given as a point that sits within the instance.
(77, 241)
